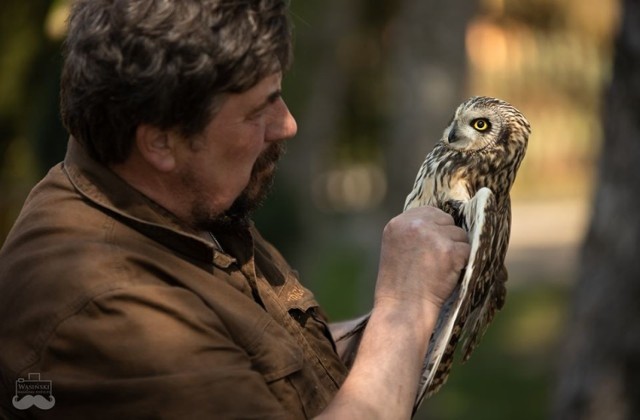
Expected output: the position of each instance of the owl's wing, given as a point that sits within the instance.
(478, 218)
(488, 293)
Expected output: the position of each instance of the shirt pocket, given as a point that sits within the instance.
(280, 361)
(302, 306)
(274, 353)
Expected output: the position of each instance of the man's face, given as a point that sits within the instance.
(228, 168)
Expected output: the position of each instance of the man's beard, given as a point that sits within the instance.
(249, 200)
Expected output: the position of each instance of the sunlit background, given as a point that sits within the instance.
(373, 86)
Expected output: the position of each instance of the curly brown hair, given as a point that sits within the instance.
(166, 63)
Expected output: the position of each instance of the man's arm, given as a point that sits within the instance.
(423, 253)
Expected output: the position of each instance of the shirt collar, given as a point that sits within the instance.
(107, 190)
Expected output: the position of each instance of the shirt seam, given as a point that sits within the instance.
(70, 310)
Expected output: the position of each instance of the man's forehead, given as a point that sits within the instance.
(267, 85)
(258, 94)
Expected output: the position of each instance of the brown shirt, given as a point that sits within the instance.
(130, 315)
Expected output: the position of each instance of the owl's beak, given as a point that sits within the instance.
(452, 135)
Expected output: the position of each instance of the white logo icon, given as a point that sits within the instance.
(33, 391)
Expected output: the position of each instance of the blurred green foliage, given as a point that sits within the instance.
(31, 135)
(509, 376)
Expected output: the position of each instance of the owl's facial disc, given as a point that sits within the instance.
(470, 132)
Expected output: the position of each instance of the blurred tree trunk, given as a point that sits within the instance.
(428, 72)
(600, 365)
(379, 77)
(320, 84)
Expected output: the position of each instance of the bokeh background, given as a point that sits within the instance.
(372, 87)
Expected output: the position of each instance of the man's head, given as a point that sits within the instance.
(164, 63)
(142, 76)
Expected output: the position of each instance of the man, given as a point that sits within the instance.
(133, 279)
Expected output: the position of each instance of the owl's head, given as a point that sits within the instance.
(483, 123)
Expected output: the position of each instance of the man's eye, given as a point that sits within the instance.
(256, 115)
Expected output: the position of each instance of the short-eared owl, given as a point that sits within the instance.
(469, 174)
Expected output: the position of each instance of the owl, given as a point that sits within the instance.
(468, 174)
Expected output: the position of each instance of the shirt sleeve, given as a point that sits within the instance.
(152, 352)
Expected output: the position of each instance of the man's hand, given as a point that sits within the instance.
(423, 254)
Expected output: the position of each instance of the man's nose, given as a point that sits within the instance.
(283, 126)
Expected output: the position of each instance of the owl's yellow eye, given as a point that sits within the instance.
(480, 124)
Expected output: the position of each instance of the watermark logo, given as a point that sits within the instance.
(33, 391)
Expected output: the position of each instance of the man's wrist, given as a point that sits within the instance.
(417, 315)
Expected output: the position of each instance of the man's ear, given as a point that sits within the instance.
(157, 147)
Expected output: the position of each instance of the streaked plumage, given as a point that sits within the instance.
(468, 174)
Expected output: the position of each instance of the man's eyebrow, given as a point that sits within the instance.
(270, 99)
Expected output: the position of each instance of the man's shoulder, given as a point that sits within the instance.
(61, 253)
(58, 239)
